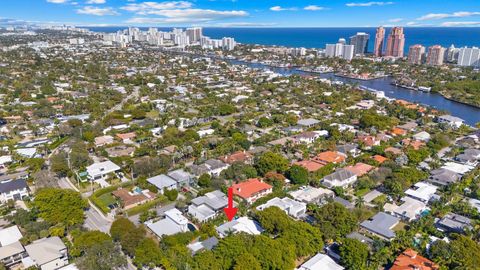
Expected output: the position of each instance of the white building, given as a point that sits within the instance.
(173, 223)
(101, 170)
(422, 191)
(454, 122)
(320, 262)
(291, 207)
(242, 224)
(469, 57)
(13, 190)
(47, 254)
(208, 206)
(340, 178)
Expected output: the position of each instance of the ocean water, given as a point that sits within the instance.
(318, 37)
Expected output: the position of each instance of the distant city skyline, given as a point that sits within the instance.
(243, 13)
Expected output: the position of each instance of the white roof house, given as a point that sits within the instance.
(208, 206)
(422, 136)
(308, 194)
(101, 169)
(10, 235)
(411, 209)
(48, 253)
(320, 262)
(291, 207)
(422, 191)
(457, 167)
(163, 181)
(173, 223)
(242, 224)
(27, 152)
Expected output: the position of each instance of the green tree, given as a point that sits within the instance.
(270, 161)
(205, 180)
(102, 256)
(354, 254)
(129, 236)
(298, 175)
(335, 221)
(247, 261)
(148, 254)
(87, 240)
(60, 206)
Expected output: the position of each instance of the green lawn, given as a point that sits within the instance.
(362, 192)
(107, 199)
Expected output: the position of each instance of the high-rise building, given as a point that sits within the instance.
(194, 34)
(415, 54)
(395, 42)
(228, 43)
(451, 55)
(469, 57)
(348, 52)
(436, 54)
(360, 41)
(379, 41)
(340, 50)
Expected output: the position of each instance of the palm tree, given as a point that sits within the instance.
(359, 202)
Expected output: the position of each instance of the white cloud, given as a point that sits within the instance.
(396, 20)
(313, 8)
(279, 8)
(439, 16)
(57, 1)
(452, 24)
(188, 16)
(368, 4)
(96, 1)
(96, 11)
(147, 7)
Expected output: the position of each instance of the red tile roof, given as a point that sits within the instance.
(360, 169)
(379, 159)
(249, 188)
(410, 260)
(310, 165)
(330, 157)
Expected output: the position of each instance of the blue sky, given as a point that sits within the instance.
(245, 13)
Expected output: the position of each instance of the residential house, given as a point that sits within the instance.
(379, 159)
(252, 189)
(309, 122)
(312, 195)
(11, 250)
(173, 223)
(360, 169)
(368, 141)
(208, 206)
(422, 191)
(458, 167)
(103, 140)
(320, 262)
(422, 136)
(101, 170)
(452, 121)
(410, 209)
(393, 150)
(310, 165)
(340, 178)
(207, 244)
(212, 167)
(48, 253)
(240, 225)
(381, 224)
(291, 207)
(239, 156)
(127, 138)
(330, 157)
(182, 177)
(469, 157)
(162, 182)
(134, 197)
(13, 190)
(411, 260)
(443, 177)
(454, 223)
(349, 149)
(309, 137)
(120, 151)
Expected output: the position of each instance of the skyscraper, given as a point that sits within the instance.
(194, 34)
(436, 54)
(469, 57)
(415, 54)
(395, 42)
(360, 41)
(379, 40)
